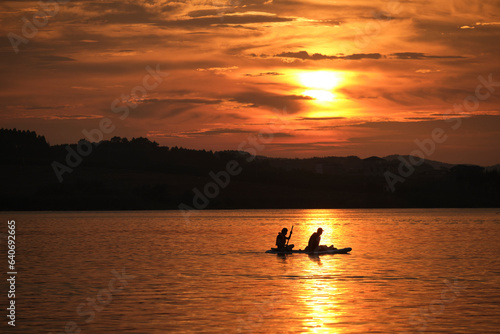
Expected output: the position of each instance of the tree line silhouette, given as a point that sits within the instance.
(137, 174)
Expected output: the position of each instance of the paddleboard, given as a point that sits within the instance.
(301, 251)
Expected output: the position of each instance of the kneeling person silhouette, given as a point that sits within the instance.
(281, 241)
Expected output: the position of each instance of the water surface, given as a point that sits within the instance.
(410, 271)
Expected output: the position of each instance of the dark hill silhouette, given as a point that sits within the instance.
(123, 174)
(22, 147)
(434, 164)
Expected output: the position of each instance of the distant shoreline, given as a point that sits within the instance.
(244, 209)
(138, 174)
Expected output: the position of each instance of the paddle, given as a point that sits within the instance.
(289, 238)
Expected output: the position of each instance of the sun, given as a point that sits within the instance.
(324, 80)
(320, 84)
(320, 95)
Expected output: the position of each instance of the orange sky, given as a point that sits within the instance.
(334, 77)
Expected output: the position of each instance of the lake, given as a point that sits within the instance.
(410, 271)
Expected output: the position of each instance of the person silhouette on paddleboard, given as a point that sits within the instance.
(314, 240)
(281, 240)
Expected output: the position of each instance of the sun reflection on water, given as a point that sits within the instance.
(318, 297)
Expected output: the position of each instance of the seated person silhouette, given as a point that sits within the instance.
(281, 240)
(314, 240)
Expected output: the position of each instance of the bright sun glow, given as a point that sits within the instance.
(323, 80)
(320, 95)
(320, 84)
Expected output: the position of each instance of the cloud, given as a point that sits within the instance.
(204, 12)
(58, 117)
(84, 88)
(358, 56)
(257, 98)
(420, 118)
(320, 118)
(215, 132)
(45, 107)
(163, 108)
(282, 135)
(55, 58)
(426, 70)
(218, 70)
(481, 24)
(488, 23)
(63, 117)
(419, 55)
(180, 101)
(315, 147)
(227, 20)
(304, 55)
(263, 74)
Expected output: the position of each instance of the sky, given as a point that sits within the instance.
(294, 78)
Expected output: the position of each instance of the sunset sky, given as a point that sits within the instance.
(330, 78)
